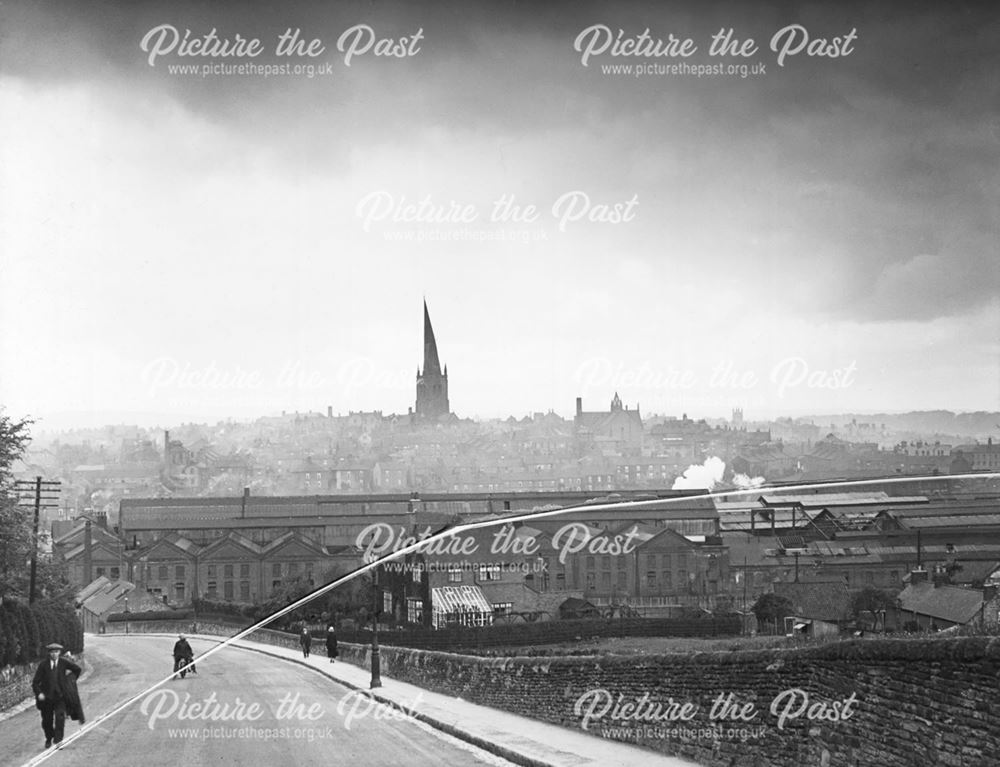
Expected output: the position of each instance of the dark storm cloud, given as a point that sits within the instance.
(877, 170)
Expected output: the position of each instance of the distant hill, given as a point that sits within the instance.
(980, 424)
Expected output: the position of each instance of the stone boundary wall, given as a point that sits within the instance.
(915, 702)
(15, 682)
(211, 628)
(887, 702)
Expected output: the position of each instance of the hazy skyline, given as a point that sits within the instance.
(831, 217)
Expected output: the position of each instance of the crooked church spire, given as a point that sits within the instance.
(432, 384)
(432, 365)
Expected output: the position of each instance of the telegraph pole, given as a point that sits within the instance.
(37, 489)
(376, 655)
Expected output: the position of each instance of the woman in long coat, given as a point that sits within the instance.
(306, 640)
(331, 643)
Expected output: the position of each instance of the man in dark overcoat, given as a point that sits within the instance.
(54, 685)
(331, 642)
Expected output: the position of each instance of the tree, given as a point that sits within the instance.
(770, 608)
(353, 599)
(15, 525)
(289, 590)
(867, 603)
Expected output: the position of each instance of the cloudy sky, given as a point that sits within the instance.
(182, 240)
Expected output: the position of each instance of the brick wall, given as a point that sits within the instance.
(916, 702)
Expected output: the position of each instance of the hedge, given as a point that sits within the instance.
(546, 632)
(212, 607)
(25, 630)
(151, 615)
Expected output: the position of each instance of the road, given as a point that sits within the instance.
(242, 708)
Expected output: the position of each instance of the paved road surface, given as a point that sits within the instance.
(276, 727)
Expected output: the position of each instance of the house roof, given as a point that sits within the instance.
(104, 599)
(78, 530)
(949, 603)
(760, 519)
(821, 500)
(956, 520)
(295, 538)
(98, 546)
(975, 571)
(96, 585)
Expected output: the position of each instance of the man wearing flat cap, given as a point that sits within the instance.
(54, 685)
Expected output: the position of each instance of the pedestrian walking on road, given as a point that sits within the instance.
(306, 640)
(331, 643)
(54, 685)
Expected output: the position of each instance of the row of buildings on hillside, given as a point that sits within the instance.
(649, 552)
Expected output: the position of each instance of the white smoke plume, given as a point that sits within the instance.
(703, 477)
(744, 482)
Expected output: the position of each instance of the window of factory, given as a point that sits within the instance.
(227, 590)
(651, 578)
(244, 571)
(211, 571)
(245, 591)
(276, 570)
(162, 572)
(228, 569)
(179, 571)
(213, 590)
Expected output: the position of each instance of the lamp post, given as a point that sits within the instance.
(376, 657)
(126, 616)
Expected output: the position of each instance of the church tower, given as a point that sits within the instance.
(432, 383)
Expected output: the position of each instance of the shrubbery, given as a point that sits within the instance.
(25, 630)
(210, 607)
